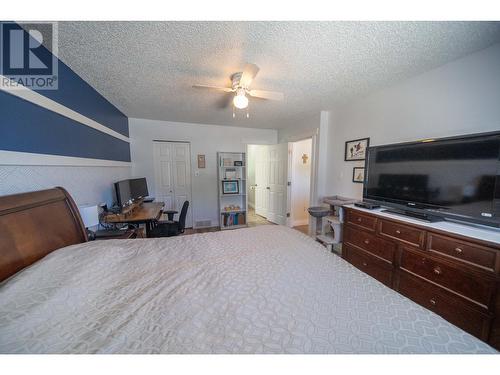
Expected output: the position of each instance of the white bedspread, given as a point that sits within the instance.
(267, 289)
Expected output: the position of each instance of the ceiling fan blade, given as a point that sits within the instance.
(248, 75)
(209, 87)
(270, 95)
(224, 101)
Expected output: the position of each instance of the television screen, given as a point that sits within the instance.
(456, 176)
(138, 188)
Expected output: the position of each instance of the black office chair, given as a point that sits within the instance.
(171, 228)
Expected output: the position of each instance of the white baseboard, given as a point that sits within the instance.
(296, 223)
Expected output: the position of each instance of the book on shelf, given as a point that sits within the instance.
(230, 219)
(230, 174)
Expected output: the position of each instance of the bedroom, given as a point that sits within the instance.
(250, 187)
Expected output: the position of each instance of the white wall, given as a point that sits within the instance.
(87, 185)
(460, 97)
(301, 128)
(301, 181)
(204, 139)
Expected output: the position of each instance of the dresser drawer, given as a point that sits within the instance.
(365, 221)
(477, 288)
(403, 233)
(375, 267)
(462, 251)
(445, 304)
(369, 242)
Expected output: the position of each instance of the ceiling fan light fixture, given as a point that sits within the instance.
(240, 100)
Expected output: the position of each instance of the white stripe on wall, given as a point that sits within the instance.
(27, 158)
(44, 102)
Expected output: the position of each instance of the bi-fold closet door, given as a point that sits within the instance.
(172, 163)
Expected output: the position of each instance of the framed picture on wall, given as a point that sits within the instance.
(201, 161)
(230, 187)
(358, 175)
(356, 149)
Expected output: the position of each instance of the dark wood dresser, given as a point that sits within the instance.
(451, 274)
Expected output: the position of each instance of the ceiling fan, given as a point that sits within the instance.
(241, 87)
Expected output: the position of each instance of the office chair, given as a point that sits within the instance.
(171, 228)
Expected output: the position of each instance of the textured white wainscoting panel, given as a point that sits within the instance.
(87, 185)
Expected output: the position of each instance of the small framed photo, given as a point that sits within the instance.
(356, 149)
(358, 175)
(230, 187)
(238, 163)
(201, 161)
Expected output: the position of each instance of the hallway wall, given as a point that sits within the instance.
(301, 182)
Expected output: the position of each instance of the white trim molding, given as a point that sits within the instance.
(33, 97)
(296, 223)
(27, 158)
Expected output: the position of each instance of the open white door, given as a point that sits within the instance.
(277, 186)
(261, 180)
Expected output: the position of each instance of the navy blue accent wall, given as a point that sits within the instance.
(27, 127)
(37, 130)
(75, 93)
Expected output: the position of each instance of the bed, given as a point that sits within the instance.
(267, 289)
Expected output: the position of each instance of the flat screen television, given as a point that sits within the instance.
(130, 189)
(454, 178)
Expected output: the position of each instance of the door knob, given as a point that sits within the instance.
(268, 188)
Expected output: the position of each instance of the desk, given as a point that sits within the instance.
(146, 214)
(127, 234)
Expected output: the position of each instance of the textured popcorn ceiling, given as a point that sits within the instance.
(147, 68)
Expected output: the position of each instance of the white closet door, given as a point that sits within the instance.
(164, 189)
(172, 162)
(261, 180)
(181, 167)
(278, 167)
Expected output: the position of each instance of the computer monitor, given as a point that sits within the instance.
(138, 188)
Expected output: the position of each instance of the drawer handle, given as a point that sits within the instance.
(432, 301)
(458, 250)
(366, 242)
(398, 231)
(365, 264)
(359, 219)
(437, 270)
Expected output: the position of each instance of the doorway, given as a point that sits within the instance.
(300, 171)
(172, 163)
(280, 183)
(257, 171)
(268, 182)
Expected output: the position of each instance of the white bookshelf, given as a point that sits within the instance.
(233, 206)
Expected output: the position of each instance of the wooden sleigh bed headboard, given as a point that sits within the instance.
(33, 225)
